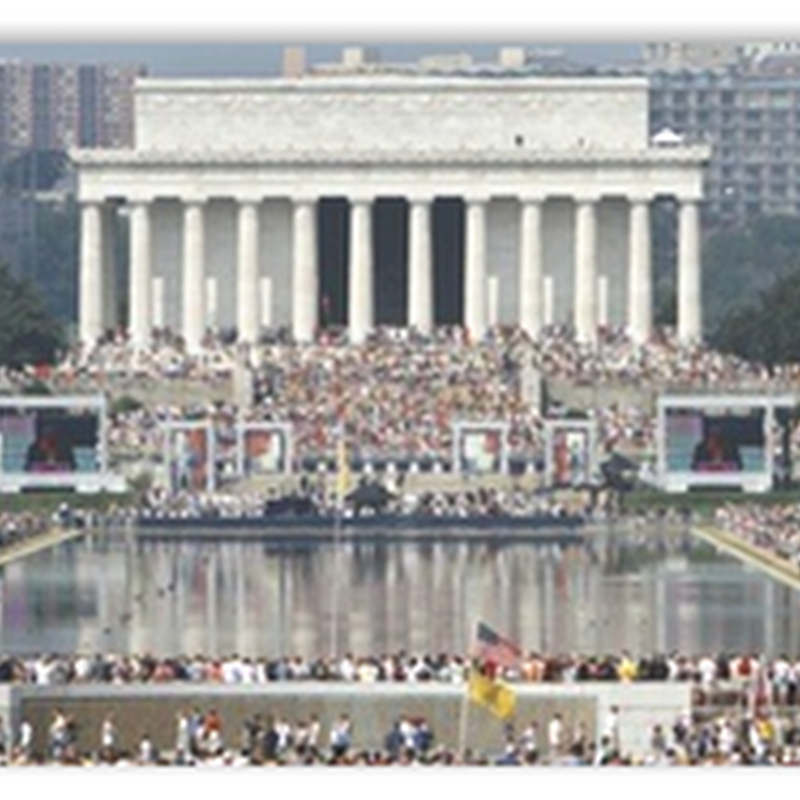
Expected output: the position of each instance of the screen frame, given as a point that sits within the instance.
(462, 429)
(172, 427)
(553, 426)
(97, 480)
(284, 429)
(757, 481)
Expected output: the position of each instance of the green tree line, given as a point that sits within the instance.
(29, 333)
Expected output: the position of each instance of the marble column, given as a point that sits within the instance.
(689, 286)
(360, 289)
(304, 270)
(586, 271)
(640, 281)
(530, 268)
(420, 266)
(194, 285)
(248, 290)
(475, 286)
(140, 316)
(91, 275)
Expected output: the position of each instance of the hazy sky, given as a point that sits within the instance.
(242, 37)
(253, 58)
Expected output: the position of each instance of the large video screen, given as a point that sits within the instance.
(50, 440)
(480, 448)
(571, 457)
(715, 441)
(190, 456)
(264, 449)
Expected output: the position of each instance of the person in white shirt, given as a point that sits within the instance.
(781, 675)
(25, 739)
(555, 735)
(707, 667)
(341, 736)
(147, 752)
(611, 728)
(529, 742)
(108, 738)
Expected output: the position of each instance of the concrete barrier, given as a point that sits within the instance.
(152, 709)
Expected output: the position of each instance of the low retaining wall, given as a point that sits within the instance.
(372, 707)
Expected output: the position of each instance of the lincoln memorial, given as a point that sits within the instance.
(362, 201)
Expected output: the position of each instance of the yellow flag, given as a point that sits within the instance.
(493, 695)
(342, 472)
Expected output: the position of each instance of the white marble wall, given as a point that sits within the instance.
(221, 245)
(503, 236)
(389, 113)
(558, 226)
(276, 257)
(612, 256)
(167, 248)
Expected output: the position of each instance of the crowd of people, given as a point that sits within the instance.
(364, 499)
(741, 734)
(778, 676)
(398, 395)
(774, 528)
(396, 398)
(20, 526)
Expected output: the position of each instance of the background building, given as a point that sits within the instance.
(743, 101)
(58, 106)
(363, 194)
(46, 109)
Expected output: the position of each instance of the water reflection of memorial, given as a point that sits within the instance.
(654, 589)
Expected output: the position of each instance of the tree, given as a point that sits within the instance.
(28, 334)
(768, 329)
(740, 264)
(51, 257)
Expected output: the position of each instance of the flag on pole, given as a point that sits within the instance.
(493, 695)
(758, 695)
(342, 470)
(491, 647)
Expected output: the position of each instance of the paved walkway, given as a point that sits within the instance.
(774, 566)
(37, 542)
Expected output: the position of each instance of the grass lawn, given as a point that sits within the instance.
(48, 502)
(704, 502)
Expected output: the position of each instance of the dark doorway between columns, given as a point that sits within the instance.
(664, 244)
(390, 230)
(333, 247)
(390, 259)
(448, 229)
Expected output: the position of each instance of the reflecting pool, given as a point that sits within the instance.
(652, 589)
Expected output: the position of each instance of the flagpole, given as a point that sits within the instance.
(463, 721)
(337, 530)
(465, 700)
(342, 482)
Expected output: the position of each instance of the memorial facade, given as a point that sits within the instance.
(523, 200)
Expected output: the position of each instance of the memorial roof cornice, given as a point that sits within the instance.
(407, 82)
(693, 154)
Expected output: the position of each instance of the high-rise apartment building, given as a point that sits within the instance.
(53, 107)
(59, 106)
(748, 110)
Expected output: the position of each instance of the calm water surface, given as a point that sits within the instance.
(655, 589)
